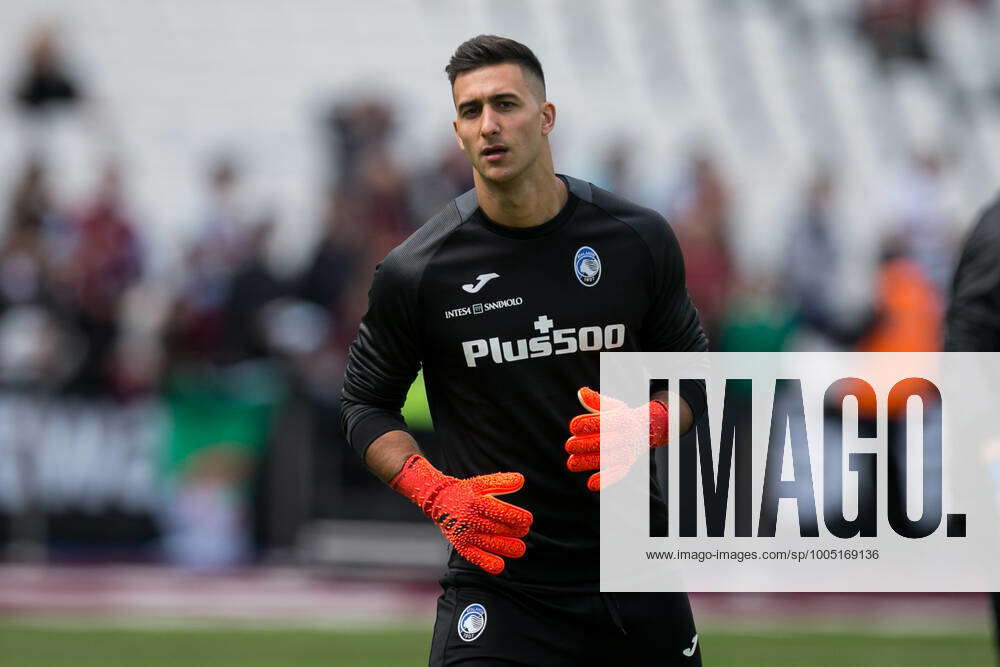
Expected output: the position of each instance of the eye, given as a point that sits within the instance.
(470, 112)
(506, 104)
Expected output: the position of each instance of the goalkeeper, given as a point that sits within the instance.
(506, 299)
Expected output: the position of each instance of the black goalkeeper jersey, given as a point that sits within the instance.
(508, 324)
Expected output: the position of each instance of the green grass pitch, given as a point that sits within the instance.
(34, 645)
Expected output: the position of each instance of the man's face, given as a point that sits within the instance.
(502, 120)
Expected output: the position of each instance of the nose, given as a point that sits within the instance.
(490, 126)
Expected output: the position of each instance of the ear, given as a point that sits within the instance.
(548, 118)
(458, 139)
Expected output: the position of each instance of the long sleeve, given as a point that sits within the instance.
(672, 324)
(384, 359)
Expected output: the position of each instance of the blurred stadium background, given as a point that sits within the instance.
(194, 196)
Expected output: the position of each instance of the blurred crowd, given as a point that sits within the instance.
(899, 29)
(247, 361)
(801, 306)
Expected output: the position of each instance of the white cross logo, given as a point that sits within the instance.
(543, 324)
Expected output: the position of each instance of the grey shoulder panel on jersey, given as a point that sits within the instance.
(651, 227)
(580, 188)
(412, 255)
(625, 210)
(466, 204)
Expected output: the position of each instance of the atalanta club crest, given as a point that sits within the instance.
(472, 622)
(587, 265)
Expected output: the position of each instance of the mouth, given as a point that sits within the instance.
(494, 152)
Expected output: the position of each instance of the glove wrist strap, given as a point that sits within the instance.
(420, 482)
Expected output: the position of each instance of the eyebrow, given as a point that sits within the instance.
(499, 97)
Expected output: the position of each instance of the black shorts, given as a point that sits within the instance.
(484, 622)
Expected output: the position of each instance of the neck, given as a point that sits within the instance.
(529, 200)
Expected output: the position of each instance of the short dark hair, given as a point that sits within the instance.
(486, 50)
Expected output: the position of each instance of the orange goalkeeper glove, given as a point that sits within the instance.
(612, 421)
(478, 525)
